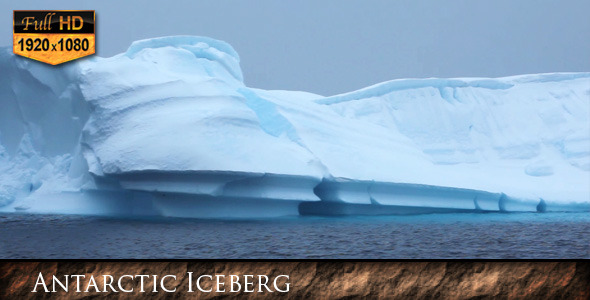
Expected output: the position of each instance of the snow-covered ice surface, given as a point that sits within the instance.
(169, 128)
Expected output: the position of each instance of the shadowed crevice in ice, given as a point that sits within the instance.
(221, 184)
(341, 190)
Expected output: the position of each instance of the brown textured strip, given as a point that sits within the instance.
(322, 280)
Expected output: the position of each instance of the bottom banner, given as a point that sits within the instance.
(295, 279)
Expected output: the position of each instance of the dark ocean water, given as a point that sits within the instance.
(492, 235)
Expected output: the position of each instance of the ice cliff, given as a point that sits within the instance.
(169, 128)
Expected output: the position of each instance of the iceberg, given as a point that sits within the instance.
(169, 128)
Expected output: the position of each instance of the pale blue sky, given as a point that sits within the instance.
(334, 46)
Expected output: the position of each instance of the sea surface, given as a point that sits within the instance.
(435, 236)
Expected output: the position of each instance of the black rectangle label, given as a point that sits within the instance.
(48, 21)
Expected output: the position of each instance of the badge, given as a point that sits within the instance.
(54, 36)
